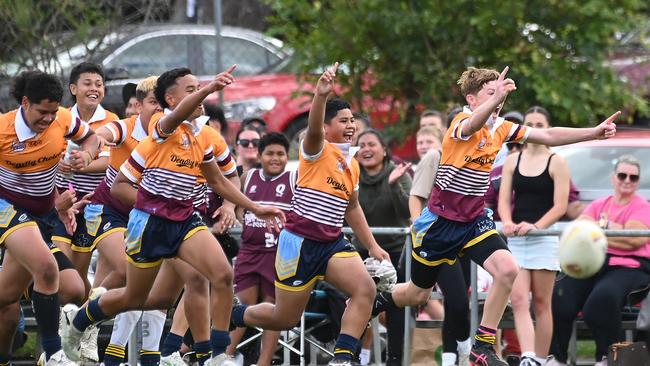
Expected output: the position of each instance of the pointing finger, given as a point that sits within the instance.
(503, 73)
(231, 68)
(613, 117)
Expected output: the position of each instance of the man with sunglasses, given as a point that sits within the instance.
(247, 155)
(626, 269)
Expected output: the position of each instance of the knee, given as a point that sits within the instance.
(72, 289)
(197, 285)
(221, 279)
(47, 273)
(506, 272)
(541, 305)
(365, 290)
(520, 301)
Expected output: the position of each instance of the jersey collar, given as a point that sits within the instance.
(138, 132)
(23, 132)
(347, 150)
(491, 123)
(99, 115)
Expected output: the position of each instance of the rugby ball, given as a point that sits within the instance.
(583, 246)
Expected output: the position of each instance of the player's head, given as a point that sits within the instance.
(478, 85)
(373, 150)
(428, 138)
(39, 94)
(339, 121)
(129, 99)
(87, 84)
(273, 149)
(174, 85)
(146, 102)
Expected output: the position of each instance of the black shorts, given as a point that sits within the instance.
(150, 239)
(438, 241)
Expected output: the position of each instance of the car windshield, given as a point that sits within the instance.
(591, 166)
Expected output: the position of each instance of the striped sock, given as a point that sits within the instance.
(346, 346)
(149, 358)
(485, 336)
(114, 355)
(203, 351)
(89, 315)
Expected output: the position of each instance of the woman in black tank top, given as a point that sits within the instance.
(539, 182)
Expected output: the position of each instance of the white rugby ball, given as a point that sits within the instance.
(583, 246)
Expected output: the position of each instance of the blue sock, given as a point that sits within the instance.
(149, 358)
(220, 339)
(89, 315)
(202, 351)
(114, 355)
(237, 315)
(345, 347)
(172, 343)
(46, 312)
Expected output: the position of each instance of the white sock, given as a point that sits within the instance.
(153, 322)
(464, 346)
(123, 326)
(364, 356)
(541, 360)
(448, 359)
(528, 354)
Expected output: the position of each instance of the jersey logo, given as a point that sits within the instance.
(253, 189)
(279, 190)
(17, 146)
(22, 218)
(482, 144)
(186, 141)
(340, 165)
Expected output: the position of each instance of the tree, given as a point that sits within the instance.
(414, 51)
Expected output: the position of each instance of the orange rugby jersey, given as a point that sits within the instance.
(127, 133)
(323, 189)
(87, 182)
(226, 164)
(464, 172)
(29, 161)
(167, 168)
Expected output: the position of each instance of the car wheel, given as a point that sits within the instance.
(293, 134)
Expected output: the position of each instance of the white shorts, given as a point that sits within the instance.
(535, 252)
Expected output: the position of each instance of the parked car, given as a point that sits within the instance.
(137, 52)
(591, 163)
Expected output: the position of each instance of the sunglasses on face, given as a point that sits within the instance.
(248, 143)
(622, 176)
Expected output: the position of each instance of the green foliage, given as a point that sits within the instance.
(414, 51)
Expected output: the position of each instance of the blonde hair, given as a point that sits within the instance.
(144, 87)
(430, 131)
(473, 79)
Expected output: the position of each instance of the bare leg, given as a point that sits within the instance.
(111, 250)
(503, 268)
(543, 282)
(521, 310)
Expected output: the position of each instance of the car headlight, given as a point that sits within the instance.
(254, 107)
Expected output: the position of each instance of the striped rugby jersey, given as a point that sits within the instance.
(127, 133)
(464, 173)
(29, 161)
(87, 182)
(275, 191)
(323, 190)
(222, 154)
(167, 168)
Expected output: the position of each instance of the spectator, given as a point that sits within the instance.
(383, 193)
(427, 139)
(627, 268)
(130, 101)
(217, 119)
(362, 122)
(257, 123)
(433, 118)
(247, 141)
(539, 182)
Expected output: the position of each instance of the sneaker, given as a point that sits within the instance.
(527, 361)
(41, 360)
(512, 360)
(602, 362)
(174, 359)
(70, 336)
(59, 359)
(551, 361)
(89, 349)
(221, 360)
(485, 355)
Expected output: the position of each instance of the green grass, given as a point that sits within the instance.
(586, 349)
(28, 350)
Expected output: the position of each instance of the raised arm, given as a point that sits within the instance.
(314, 138)
(170, 122)
(480, 116)
(558, 136)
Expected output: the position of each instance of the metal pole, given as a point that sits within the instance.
(217, 26)
(473, 301)
(133, 343)
(408, 319)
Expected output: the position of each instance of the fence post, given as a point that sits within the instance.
(408, 319)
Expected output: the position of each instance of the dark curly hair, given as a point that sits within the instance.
(167, 80)
(333, 107)
(37, 86)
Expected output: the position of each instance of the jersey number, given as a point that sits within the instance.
(269, 240)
